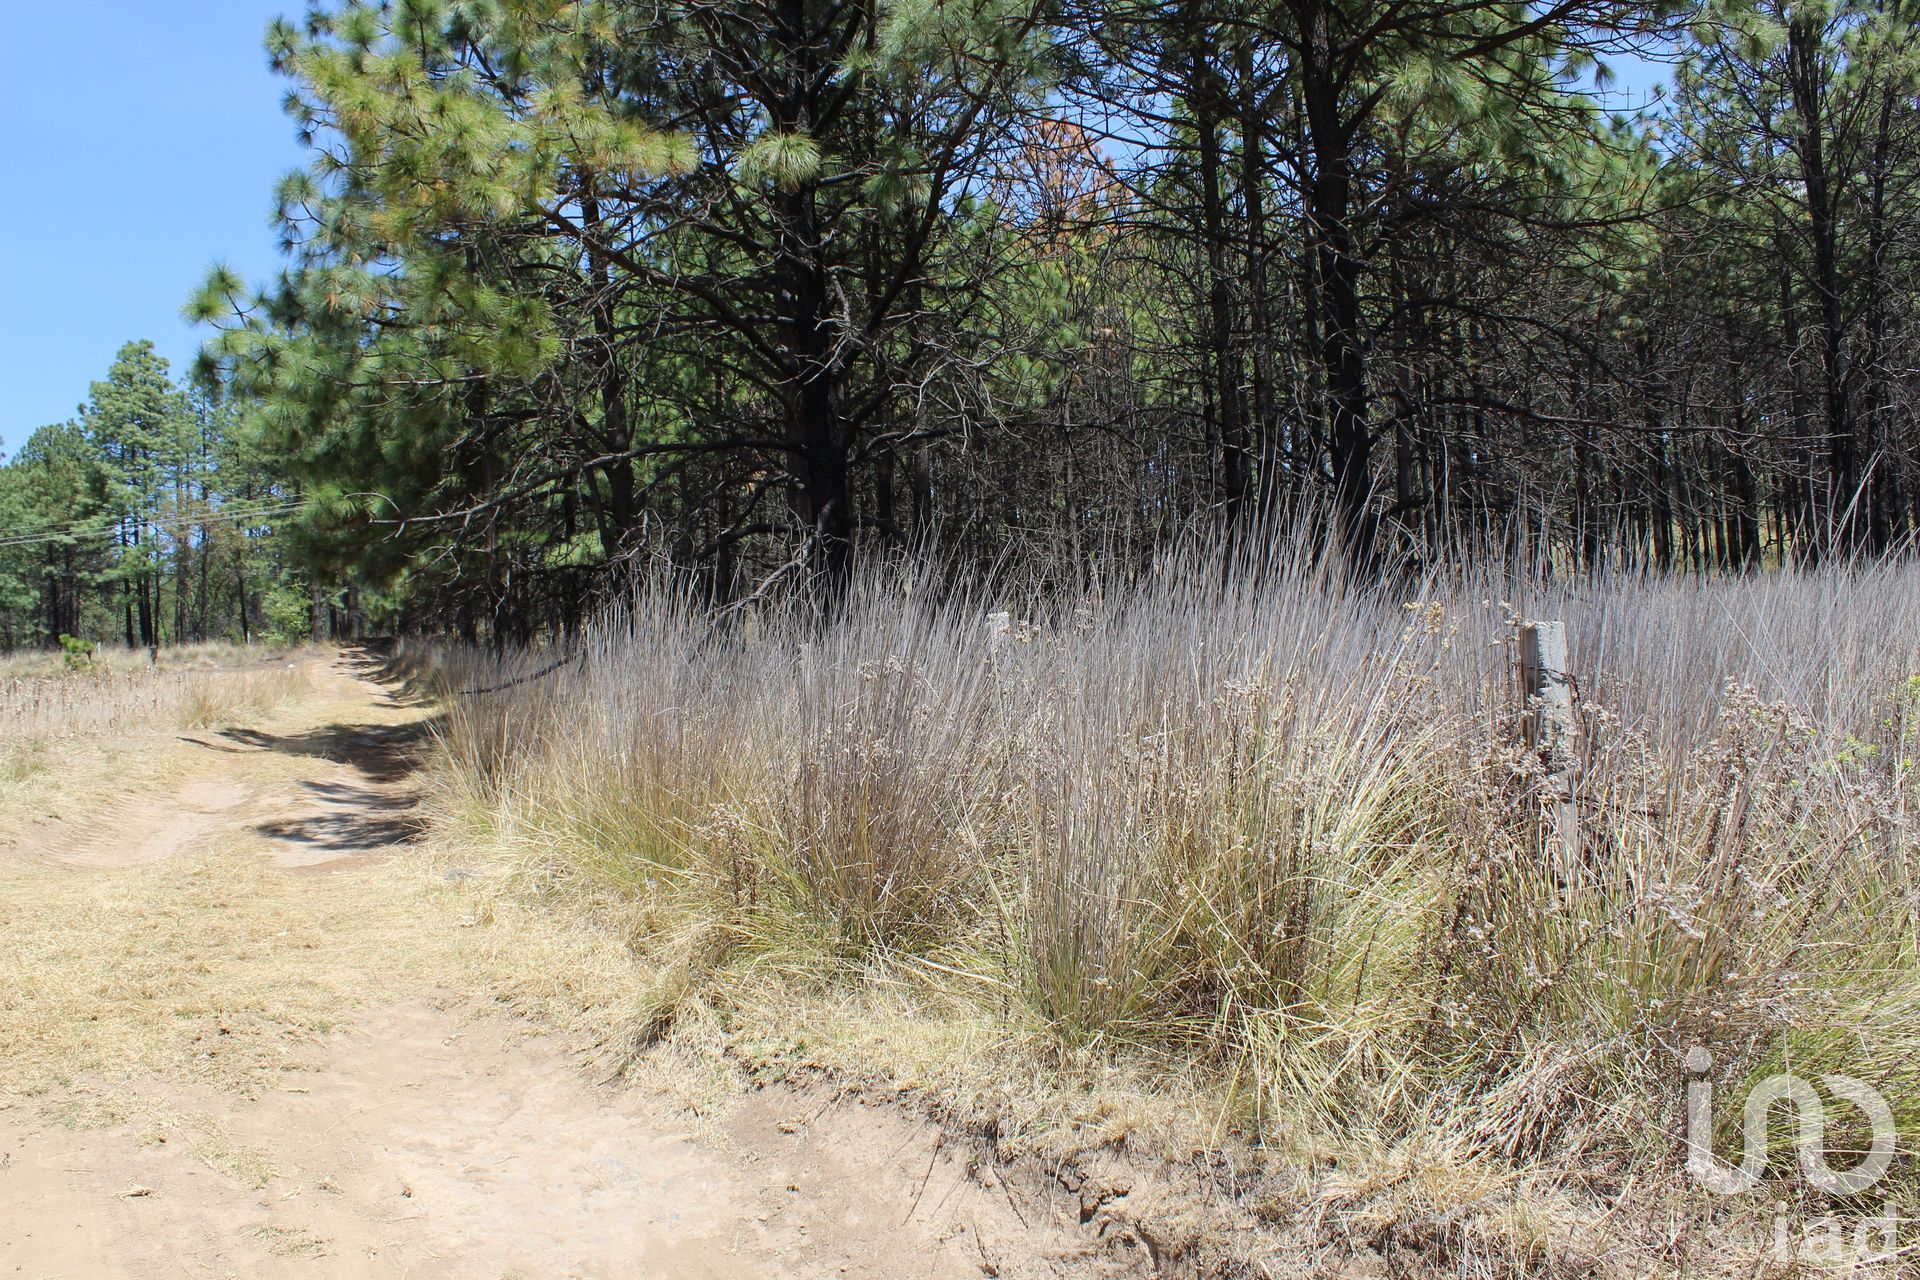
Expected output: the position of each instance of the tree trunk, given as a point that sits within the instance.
(616, 433)
(1222, 358)
(1260, 427)
(1342, 351)
(1805, 77)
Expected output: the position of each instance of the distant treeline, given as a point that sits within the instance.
(150, 519)
(749, 285)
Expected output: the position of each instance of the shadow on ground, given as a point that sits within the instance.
(382, 753)
(346, 820)
(373, 810)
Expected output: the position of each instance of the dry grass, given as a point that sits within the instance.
(203, 969)
(136, 995)
(31, 664)
(66, 738)
(105, 701)
(1268, 854)
(1250, 881)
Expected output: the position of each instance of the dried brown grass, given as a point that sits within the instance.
(1266, 855)
(95, 702)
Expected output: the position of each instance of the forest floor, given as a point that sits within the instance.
(246, 1030)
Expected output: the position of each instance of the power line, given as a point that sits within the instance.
(109, 528)
(83, 529)
(230, 510)
(236, 508)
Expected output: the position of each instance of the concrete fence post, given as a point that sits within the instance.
(1548, 725)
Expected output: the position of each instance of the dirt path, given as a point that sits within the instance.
(225, 1057)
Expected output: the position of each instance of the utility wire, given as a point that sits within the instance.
(547, 670)
(104, 526)
(236, 508)
(108, 528)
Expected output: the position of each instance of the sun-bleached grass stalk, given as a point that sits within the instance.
(108, 699)
(1276, 826)
(204, 655)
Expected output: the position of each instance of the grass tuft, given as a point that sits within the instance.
(1274, 839)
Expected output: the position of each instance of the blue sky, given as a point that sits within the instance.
(139, 142)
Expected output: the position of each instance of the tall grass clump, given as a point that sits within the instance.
(49, 702)
(1275, 827)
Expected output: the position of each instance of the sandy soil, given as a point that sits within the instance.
(413, 1136)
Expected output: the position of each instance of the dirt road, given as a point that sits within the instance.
(238, 1043)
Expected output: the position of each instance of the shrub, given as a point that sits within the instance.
(76, 653)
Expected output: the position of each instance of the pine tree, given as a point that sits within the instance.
(1802, 115)
(595, 319)
(136, 424)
